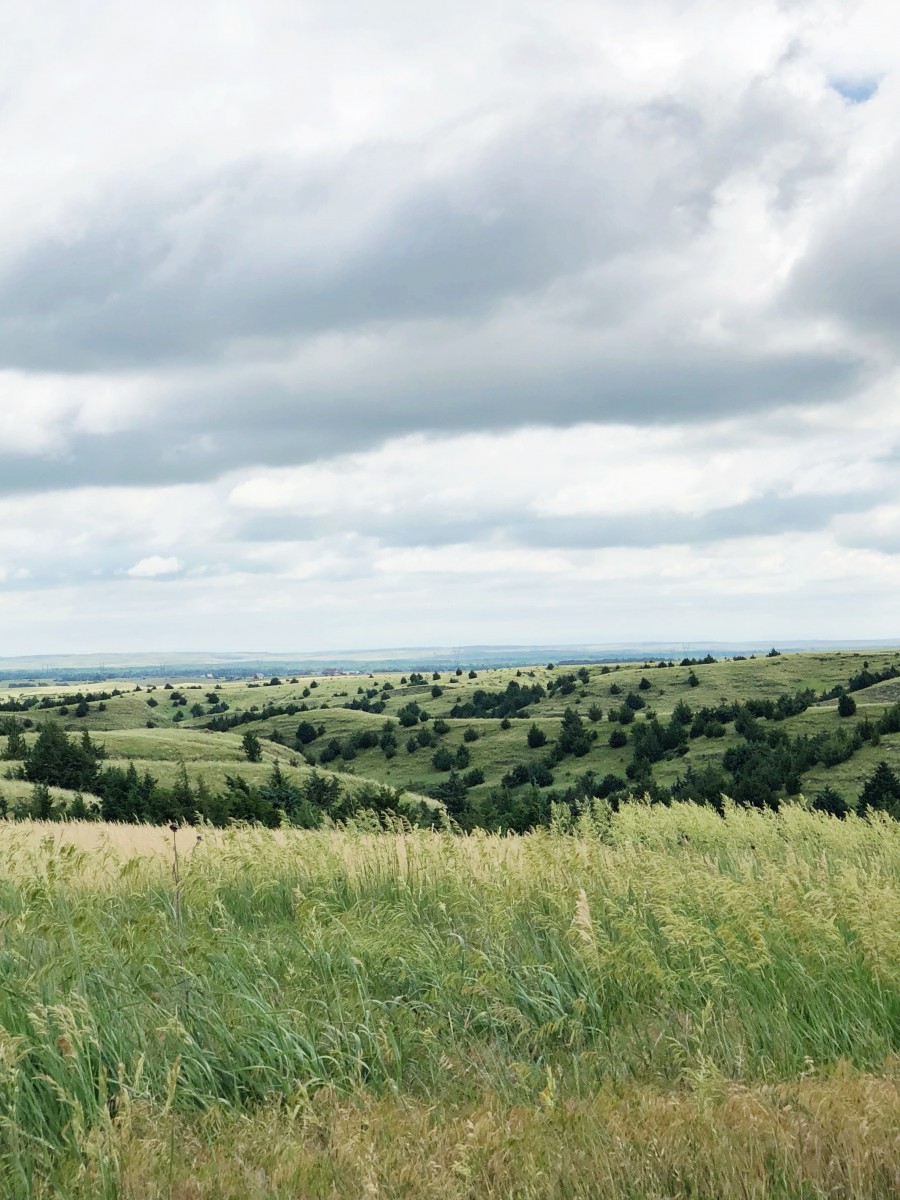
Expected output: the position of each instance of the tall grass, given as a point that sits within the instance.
(658, 958)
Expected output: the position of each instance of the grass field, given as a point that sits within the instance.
(665, 1004)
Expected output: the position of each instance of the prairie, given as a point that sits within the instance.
(664, 1002)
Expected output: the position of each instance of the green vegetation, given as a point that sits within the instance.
(659, 1002)
(676, 974)
(497, 749)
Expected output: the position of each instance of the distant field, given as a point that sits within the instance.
(667, 1004)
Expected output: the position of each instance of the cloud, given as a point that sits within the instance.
(514, 314)
(153, 567)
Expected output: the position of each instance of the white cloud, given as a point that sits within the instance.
(154, 566)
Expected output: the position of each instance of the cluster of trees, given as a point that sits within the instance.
(863, 679)
(224, 724)
(55, 760)
(509, 703)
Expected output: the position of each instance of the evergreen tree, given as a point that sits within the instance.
(828, 800)
(536, 737)
(251, 746)
(881, 792)
(573, 738)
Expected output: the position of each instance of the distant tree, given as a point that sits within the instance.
(251, 746)
(16, 746)
(536, 737)
(573, 736)
(584, 675)
(442, 759)
(56, 761)
(645, 684)
(692, 679)
(773, 653)
(618, 738)
(595, 712)
(436, 690)
(881, 792)
(846, 705)
(828, 800)
(682, 713)
(506, 723)
(196, 710)
(470, 733)
(41, 803)
(306, 733)
(473, 674)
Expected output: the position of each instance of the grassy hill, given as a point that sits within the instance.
(158, 726)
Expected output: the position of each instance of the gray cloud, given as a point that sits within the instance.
(271, 250)
(199, 436)
(760, 517)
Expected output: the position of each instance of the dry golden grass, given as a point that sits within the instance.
(836, 1137)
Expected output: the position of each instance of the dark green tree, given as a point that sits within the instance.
(536, 737)
(251, 746)
(881, 792)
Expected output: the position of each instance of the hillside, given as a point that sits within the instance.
(500, 747)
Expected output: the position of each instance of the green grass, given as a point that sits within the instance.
(515, 1001)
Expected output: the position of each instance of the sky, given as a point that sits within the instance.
(340, 324)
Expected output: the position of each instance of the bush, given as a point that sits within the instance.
(846, 706)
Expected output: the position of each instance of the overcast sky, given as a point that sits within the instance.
(357, 323)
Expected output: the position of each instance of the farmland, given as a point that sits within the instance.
(664, 1003)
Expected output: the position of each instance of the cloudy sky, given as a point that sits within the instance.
(357, 323)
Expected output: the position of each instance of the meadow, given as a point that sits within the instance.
(662, 1002)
